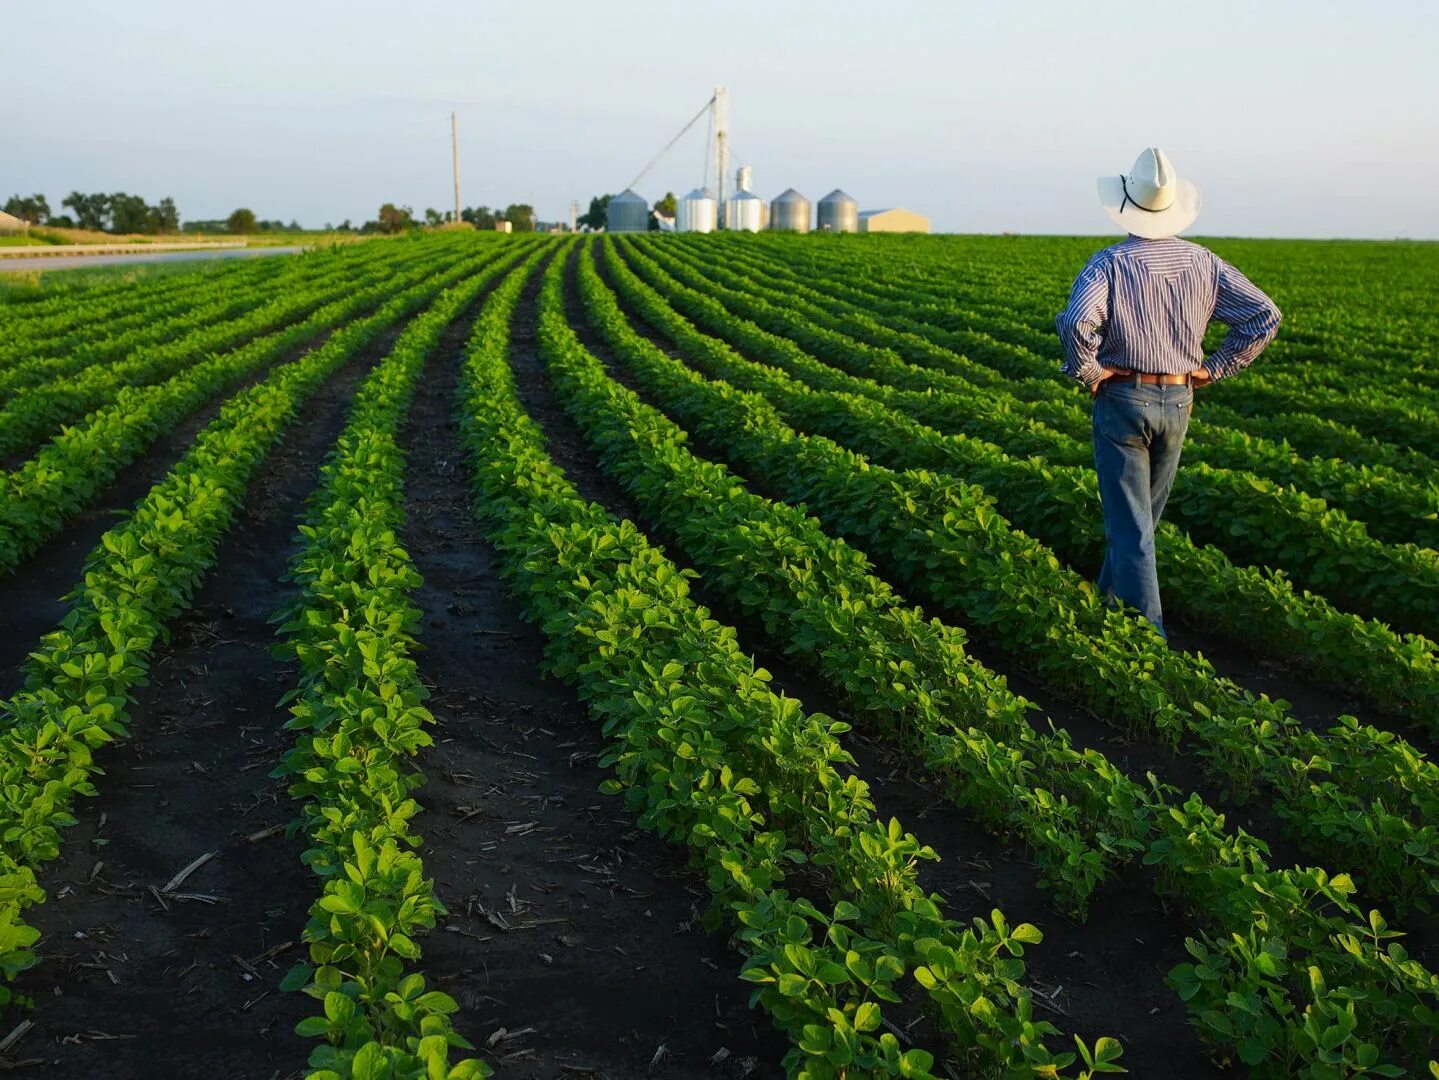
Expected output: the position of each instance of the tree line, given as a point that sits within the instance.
(119, 212)
(124, 213)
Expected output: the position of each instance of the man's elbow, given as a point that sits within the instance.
(1272, 318)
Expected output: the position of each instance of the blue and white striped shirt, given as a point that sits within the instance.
(1144, 305)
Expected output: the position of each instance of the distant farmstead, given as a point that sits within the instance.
(9, 223)
(894, 219)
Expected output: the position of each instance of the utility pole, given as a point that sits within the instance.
(721, 118)
(455, 158)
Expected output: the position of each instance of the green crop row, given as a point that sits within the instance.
(1394, 506)
(68, 319)
(1252, 520)
(818, 596)
(989, 332)
(79, 679)
(1356, 790)
(208, 303)
(1257, 606)
(39, 411)
(710, 757)
(359, 718)
(127, 324)
(40, 496)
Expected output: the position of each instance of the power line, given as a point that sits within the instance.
(655, 160)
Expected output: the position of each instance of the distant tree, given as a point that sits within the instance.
(61, 221)
(91, 211)
(295, 226)
(481, 217)
(345, 226)
(597, 215)
(666, 206)
(433, 216)
(521, 217)
(241, 221)
(35, 209)
(164, 217)
(128, 213)
(394, 219)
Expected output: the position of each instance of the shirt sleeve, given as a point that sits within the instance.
(1252, 318)
(1081, 324)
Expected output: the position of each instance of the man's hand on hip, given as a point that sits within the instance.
(1200, 377)
(1107, 373)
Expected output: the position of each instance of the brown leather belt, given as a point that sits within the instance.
(1143, 378)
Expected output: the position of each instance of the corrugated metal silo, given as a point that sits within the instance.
(838, 213)
(789, 212)
(744, 212)
(627, 212)
(744, 178)
(697, 212)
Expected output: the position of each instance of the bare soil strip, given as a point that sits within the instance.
(572, 945)
(141, 977)
(30, 598)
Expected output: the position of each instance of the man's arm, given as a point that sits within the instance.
(1252, 318)
(1081, 325)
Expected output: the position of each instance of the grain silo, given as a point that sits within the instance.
(838, 213)
(697, 212)
(744, 212)
(627, 212)
(789, 212)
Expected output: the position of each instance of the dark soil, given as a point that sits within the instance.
(573, 944)
(1312, 705)
(572, 941)
(1129, 940)
(137, 982)
(30, 598)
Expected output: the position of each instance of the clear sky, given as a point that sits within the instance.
(1295, 118)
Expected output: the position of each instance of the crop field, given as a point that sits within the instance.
(676, 656)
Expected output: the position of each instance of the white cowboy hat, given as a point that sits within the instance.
(1152, 201)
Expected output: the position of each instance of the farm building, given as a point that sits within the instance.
(894, 219)
(9, 223)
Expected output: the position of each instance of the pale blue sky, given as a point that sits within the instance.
(1296, 119)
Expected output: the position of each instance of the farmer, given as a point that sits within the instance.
(1133, 334)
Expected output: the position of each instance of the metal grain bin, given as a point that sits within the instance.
(789, 212)
(628, 213)
(744, 212)
(838, 213)
(744, 178)
(697, 212)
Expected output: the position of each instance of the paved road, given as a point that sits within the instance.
(70, 262)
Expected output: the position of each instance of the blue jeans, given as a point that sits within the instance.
(1138, 434)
